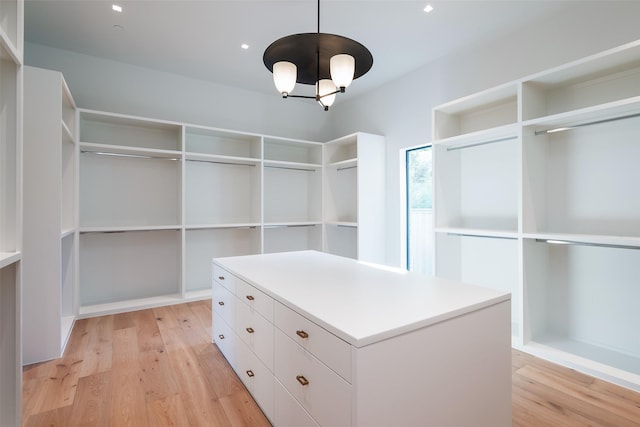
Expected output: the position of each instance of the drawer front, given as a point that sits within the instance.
(256, 332)
(330, 349)
(225, 338)
(255, 299)
(224, 303)
(322, 392)
(257, 378)
(287, 410)
(225, 278)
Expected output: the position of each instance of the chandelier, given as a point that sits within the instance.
(328, 61)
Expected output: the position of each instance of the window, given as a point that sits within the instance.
(419, 210)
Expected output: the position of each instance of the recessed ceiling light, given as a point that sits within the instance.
(428, 8)
(116, 7)
(244, 46)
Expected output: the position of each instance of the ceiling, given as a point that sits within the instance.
(202, 38)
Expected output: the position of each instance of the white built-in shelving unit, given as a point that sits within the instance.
(50, 226)
(354, 203)
(11, 61)
(158, 200)
(536, 193)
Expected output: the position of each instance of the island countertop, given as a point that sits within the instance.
(359, 302)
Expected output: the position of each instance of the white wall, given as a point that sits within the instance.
(102, 84)
(402, 109)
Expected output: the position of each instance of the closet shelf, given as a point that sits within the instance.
(8, 258)
(603, 112)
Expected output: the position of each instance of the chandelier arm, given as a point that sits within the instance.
(327, 94)
(301, 96)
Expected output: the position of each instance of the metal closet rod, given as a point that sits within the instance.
(482, 236)
(289, 168)
(346, 168)
(127, 231)
(135, 156)
(595, 122)
(220, 163)
(476, 144)
(575, 243)
(289, 226)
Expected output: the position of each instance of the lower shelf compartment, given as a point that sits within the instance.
(141, 303)
(128, 266)
(613, 366)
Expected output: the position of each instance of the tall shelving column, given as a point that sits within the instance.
(476, 190)
(49, 241)
(354, 197)
(130, 213)
(581, 129)
(222, 201)
(292, 188)
(11, 60)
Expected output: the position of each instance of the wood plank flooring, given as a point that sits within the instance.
(157, 367)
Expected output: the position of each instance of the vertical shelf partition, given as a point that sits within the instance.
(11, 64)
(50, 177)
(550, 209)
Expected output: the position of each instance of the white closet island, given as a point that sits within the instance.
(322, 340)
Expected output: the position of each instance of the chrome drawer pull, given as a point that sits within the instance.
(302, 380)
(220, 302)
(220, 277)
(221, 336)
(250, 297)
(250, 330)
(250, 373)
(302, 334)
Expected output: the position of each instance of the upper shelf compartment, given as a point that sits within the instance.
(286, 151)
(222, 143)
(129, 132)
(492, 108)
(601, 79)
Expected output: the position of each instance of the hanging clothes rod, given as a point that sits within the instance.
(127, 231)
(575, 243)
(217, 162)
(346, 168)
(477, 144)
(289, 168)
(135, 156)
(595, 122)
(482, 237)
(289, 226)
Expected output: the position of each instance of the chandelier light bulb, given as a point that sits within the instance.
(325, 87)
(342, 68)
(284, 76)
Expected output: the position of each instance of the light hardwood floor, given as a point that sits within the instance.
(157, 367)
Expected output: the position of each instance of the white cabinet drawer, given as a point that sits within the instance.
(225, 278)
(256, 377)
(256, 332)
(322, 392)
(225, 339)
(287, 410)
(330, 349)
(255, 299)
(224, 303)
